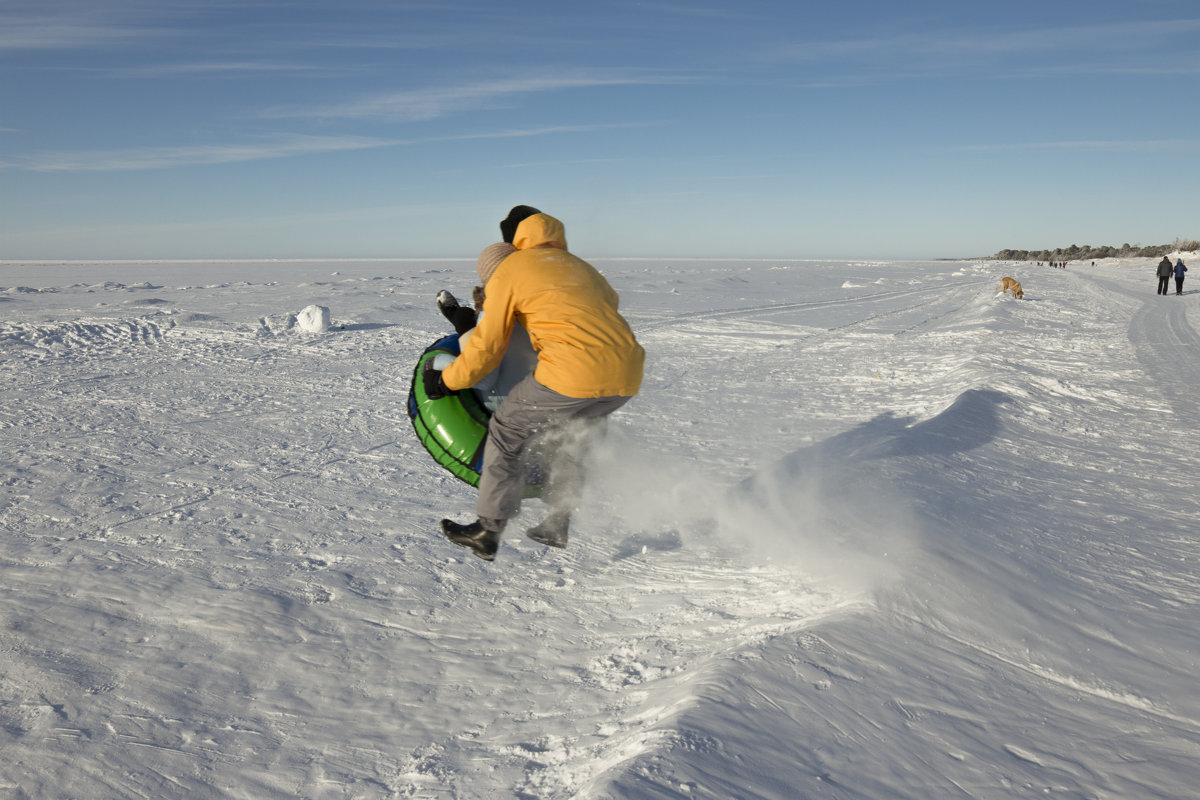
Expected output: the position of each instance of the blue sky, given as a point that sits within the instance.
(385, 128)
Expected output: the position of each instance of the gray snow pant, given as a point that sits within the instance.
(564, 426)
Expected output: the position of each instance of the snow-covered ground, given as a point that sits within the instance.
(871, 530)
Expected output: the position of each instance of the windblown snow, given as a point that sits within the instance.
(871, 530)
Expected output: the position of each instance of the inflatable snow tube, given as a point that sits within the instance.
(454, 428)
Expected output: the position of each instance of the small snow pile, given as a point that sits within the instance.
(313, 319)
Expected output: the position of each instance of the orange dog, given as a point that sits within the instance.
(1011, 285)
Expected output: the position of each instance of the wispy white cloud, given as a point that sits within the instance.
(1090, 145)
(75, 24)
(691, 10)
(1134, 36)
(33, 33)
(216, 68)
(568, 163)
(431, 103)
(548, 130)
(132, 159)
(166, 157)
(1133, 68)
(919, 53)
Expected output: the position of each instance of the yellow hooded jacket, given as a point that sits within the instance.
(585, 347)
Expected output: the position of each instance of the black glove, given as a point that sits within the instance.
(435, 387)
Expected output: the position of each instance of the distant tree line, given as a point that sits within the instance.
(1085, 252)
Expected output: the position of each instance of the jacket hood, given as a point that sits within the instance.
(540, 230)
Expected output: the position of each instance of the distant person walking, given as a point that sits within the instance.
(1164, 275)
(1179, 270)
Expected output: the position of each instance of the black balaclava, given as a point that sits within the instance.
(508, 225)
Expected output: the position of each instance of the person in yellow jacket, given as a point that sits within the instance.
(589, 365)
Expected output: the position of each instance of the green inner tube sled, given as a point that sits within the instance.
(454, 428)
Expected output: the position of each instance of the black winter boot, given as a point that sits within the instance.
(461, 317)
(483, 542)
(447, 304)
(552, 531)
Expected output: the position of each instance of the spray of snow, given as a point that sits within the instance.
(810, 512)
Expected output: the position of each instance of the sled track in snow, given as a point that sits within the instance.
(936, 297)
(934, 293)
(1163, 340)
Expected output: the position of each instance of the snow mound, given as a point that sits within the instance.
(313, 319)
(310, 319)
(57, 338)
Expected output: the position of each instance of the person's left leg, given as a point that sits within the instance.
(568, 447)
(575, 442)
